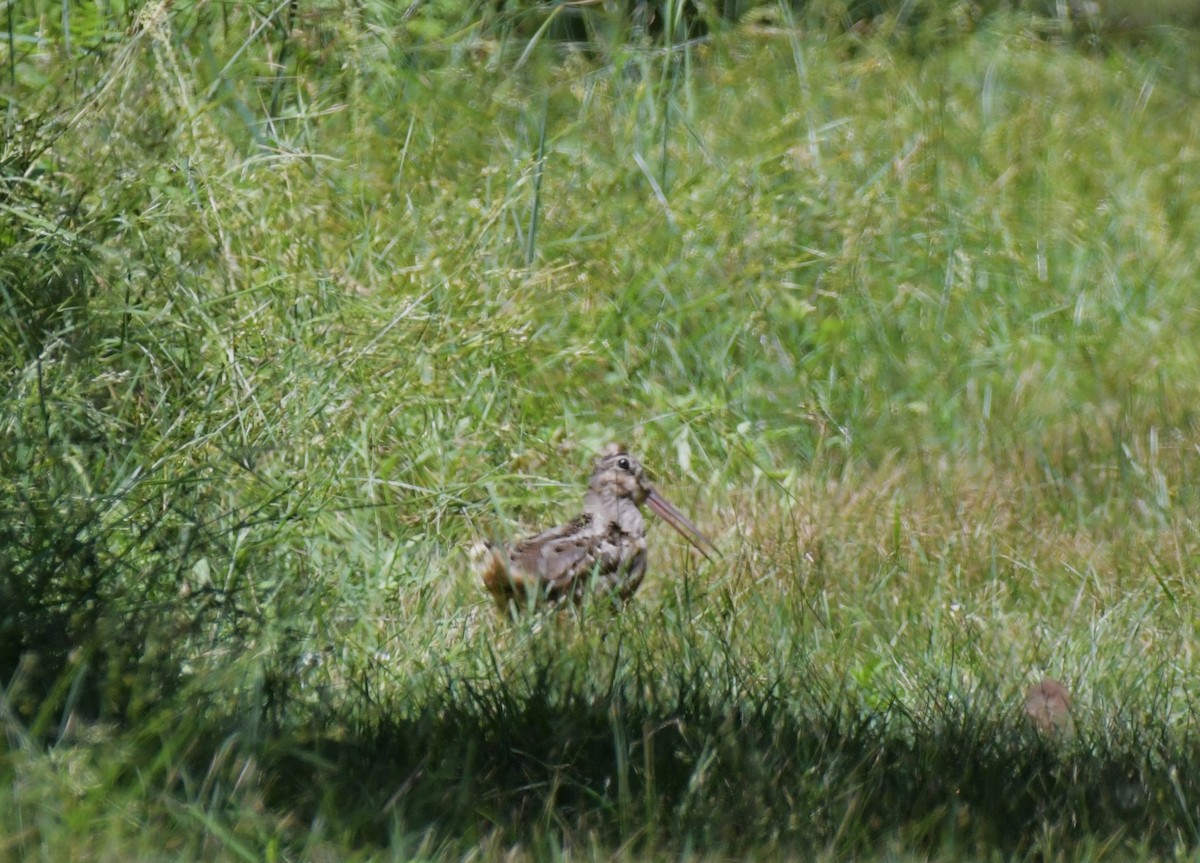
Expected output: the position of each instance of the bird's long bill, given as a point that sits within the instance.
(668, 513)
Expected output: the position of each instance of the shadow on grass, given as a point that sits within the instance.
(686, 770)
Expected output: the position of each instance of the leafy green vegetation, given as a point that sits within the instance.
(297, 301)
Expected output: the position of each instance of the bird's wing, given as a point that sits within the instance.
(532, 566)
(557, 558)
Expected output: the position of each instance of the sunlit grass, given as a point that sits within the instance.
(902, 316)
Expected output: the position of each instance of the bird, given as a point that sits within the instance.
(602, 551)
(1048, 706)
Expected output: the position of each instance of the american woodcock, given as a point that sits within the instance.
(603, 550)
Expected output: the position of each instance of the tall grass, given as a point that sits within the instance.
(297, 302)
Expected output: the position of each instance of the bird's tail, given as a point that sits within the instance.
(491, 563)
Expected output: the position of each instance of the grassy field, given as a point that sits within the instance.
(296, 302)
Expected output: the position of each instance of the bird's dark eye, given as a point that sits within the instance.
(623, 463)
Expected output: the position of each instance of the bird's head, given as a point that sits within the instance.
(617, 474)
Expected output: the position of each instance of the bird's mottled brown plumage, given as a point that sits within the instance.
(603, 550)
